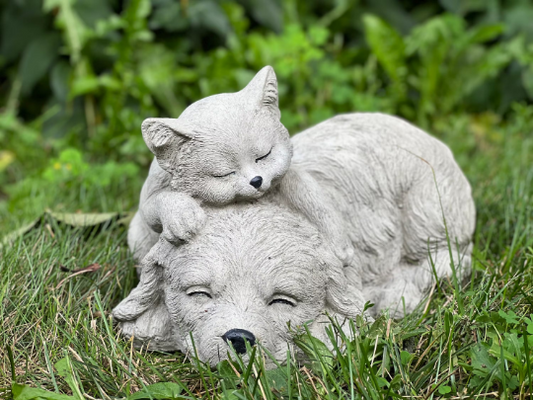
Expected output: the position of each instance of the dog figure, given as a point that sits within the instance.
(251, 270)
(405, 205)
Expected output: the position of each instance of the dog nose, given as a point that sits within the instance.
(256, 182)
(237, 337)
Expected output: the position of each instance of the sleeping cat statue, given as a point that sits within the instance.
(223, 149)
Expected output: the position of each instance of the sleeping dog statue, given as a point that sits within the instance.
(225, 272)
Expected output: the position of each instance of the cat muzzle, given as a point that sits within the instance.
(256, 182)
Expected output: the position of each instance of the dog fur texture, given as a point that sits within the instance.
(254, 267)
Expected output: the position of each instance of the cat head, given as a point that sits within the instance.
(225, 147)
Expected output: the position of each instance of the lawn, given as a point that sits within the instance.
(464, 341)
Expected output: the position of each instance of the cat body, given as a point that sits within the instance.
(222, 149)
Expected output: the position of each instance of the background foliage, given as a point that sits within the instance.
(81, 75)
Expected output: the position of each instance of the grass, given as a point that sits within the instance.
(56, 333)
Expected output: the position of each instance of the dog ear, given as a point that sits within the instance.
(344, 298)
(148, 291)
(344, 292)
(143, 315)
(153, 329)
(344, 286)
(264, 86)
(164, 137)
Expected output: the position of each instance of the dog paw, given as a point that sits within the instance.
(342, 247)
(345, 252)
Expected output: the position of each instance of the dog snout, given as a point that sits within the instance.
(238, 339)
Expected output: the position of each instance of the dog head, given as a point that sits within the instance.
(252, 271)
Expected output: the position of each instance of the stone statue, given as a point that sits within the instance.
(245, 269)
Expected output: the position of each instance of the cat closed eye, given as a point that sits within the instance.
(223, 176)
(263, 157)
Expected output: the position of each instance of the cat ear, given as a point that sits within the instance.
(164, 136)
(265, 87)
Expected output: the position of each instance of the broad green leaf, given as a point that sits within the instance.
(529, 323)
(92, 84)
(37, 60)
(81, 220)
(138, 10)
(59, 80)
(168, 17)
(157, 69)
(444, 389)
(235, 395)
(84, 85)
(518, 19)
(318, 35)
(64, 369)
(513, 382)
(268, 13)
(454, 6)
(162, 390)
(406, 357)
(382, 382)
(316, 351)
(75, 220)
(482, 362)
(22, 23)
(484, 33)
(387, 45)
(209, 15)
(277, 379)
(527, 79)
(509, 317)
(92, 11)
(66, 18)
(12, 236)
(24, 392)
(444, 29)
(135, 16)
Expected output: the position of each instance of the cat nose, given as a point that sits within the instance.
(256, 182)
(238, 339)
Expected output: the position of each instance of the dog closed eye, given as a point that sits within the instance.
(281, 300)
(199, 293)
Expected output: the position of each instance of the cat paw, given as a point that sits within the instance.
(182, 226)
(183, 218)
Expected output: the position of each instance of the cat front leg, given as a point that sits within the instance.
(304, 194)
(177, 216)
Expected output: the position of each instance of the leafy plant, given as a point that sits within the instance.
(84, 74)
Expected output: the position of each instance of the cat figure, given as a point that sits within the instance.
(225, 148)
